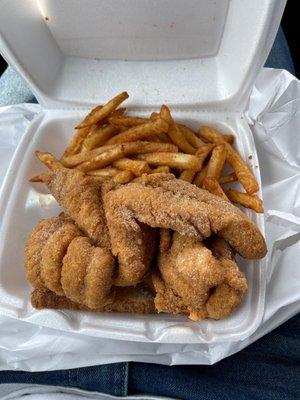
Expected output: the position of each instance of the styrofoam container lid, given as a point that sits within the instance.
(196, 53)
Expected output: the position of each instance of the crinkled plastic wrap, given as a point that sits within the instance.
(274, 112)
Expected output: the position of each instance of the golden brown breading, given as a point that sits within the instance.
(197, 281)
(52, 255)
(166, 300)
(161, 200)
(223, 252)
(223, 301)
(34, 246)
(134, 248)
(86, 275)
(75, 268)
(80, 197)
(189, 270)
(127, 300)
(229, 294)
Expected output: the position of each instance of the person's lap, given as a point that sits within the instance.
(267, 369)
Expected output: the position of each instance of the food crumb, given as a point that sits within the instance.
(250, 157)
(46, 18)
(45, 200)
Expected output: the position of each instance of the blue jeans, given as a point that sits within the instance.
(267, 369)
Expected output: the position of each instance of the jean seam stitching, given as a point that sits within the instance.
(77, 380)
(125, 378)
(69, 377)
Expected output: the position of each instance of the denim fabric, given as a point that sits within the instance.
(280, 55)
(13, 89)
(110, 379)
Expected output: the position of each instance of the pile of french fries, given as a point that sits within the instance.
(108, 144)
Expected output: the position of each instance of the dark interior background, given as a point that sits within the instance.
(291, 28)
(290, 24)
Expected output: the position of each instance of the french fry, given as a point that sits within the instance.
(213, 186)
(200, 176)
(127, 122)
(190, 136)
(213, 136)
(98, 136)
(163, 169)
(243, 173)
(79, 137)
(229, 138)
(130, 148)
(154, 138)
(137, 167)
(103, 112)
(103, 159)
(36, 179)
(164, 240)
(204, 151)
(216, 161)
(163, 137)
(174, 132)
(123, 177)
(154, 116)
(76, 159)
(49, 160)
(246, 200)
(178, 138)
(164, 114)
(108, 172)
(201, 153)
(119, 112)
(228, 178)
(173, 160)
(187, 175)
(140, 147)
(140, 132)
(76, 142)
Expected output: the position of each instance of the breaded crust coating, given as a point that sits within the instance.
(161, 200)
(80, 197)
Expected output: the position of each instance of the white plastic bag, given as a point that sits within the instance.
(274, 111)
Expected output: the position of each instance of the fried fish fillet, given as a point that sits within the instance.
(227, 296)
(38, 241)
(60, 258)
(126, 300)
(80, 197)
(161, 200)
(196, 281)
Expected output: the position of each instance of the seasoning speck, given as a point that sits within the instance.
(46, 19)
(250, 157)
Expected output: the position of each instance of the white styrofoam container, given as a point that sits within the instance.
(200, 57)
